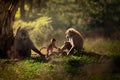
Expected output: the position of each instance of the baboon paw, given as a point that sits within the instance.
(68, 53)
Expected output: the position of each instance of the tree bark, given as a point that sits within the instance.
(38, 5)
(22, 10)
(31, 6)
(8, 9)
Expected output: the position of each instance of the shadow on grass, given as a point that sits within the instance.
(90, 54)
(116, 61)
(39, 59)
(73, 66)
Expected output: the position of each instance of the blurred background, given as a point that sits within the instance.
(98, 22)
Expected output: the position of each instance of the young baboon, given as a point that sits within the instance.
(50, 47)
(75, 38)
(65, 46)
(23, 44)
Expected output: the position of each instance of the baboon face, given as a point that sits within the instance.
(23, 34)
(69, 33)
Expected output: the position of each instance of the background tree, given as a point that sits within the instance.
(22, 10)
(101, 12)
(30, 6)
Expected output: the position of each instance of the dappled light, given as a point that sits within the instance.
(86, 34)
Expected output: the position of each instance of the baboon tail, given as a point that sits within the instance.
(43, 48)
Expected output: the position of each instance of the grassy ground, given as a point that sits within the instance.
(73, 67)
(57, 68)
(102, 46)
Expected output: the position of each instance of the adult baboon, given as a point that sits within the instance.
(23, 44)
(75, 38)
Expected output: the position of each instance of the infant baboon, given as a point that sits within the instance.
(66, 45)
(23, 45)
(51, 46)
(75, 39)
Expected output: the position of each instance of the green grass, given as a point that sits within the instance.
(56, 67)
(102, 46)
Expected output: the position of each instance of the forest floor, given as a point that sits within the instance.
(60, 68)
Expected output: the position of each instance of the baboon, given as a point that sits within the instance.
(51, 46)
(66, 45)
(23, 44)
(75, 38)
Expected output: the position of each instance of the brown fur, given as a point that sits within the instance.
(65, 46)
(75, 38)
(23, 44)
(50, 47)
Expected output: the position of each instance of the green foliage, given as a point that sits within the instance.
(17, 15)
(114, 48)
(75, 12)
(100, 10)
(37, 28)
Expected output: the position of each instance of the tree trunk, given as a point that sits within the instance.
(30, 7)
(38, 5)
(8, 9)
(22, 10)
